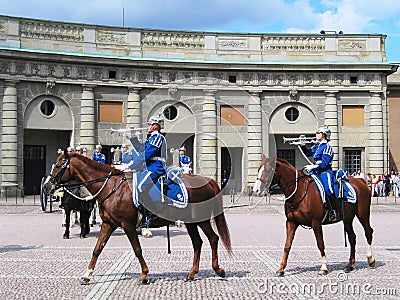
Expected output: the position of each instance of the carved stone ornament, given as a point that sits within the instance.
(50, 84)
(293, 93)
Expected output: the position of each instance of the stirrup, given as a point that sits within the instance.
(333, 216)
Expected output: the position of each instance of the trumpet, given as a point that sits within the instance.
(127, 130)
(301, 140)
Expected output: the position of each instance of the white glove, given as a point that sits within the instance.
(309, 168)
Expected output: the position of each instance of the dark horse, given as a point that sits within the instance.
(116, 209)
(303, 206)
(71, 203)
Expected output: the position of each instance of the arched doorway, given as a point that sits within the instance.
(48, 125)
(291, 120)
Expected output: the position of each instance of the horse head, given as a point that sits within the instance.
(266, 175)
(58, 174)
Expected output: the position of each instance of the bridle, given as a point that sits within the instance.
(270, 171)
(67, 187)
(57, 178)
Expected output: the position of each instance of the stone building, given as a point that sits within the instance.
(226, 97)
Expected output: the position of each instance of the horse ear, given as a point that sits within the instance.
(263, 158)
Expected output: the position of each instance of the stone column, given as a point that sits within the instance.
(88, 118)
(331, 120)
(207, 161)
(9, 141)
(254, 136)
(133, 114)
(376, 142)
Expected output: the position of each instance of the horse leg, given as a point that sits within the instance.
(197, 243)
(86, 221)
(82, 217)
(290, 231)
(130, 231)
(105, 233)
(67, 222)
(348, 227)
(364, 220)
(317, 228)
(213, 240)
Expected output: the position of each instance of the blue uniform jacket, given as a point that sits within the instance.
(322, 154)
(153, 156)
(184, 160)
(99, 157)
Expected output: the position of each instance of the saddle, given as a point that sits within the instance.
(169, 189)
(341, 186)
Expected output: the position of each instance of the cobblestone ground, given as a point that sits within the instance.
(36, 263)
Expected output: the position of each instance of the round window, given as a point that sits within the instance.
(170, 112)
(292, 114)
(47, 107)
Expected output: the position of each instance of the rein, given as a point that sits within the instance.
(105, 179)
(66, 187)
(292, 207)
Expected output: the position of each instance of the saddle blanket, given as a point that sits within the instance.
(176, 190)
(349, 192)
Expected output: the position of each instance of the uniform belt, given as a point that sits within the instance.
(157, 158)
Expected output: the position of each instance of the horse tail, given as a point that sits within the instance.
(220, 221)
(223, 231)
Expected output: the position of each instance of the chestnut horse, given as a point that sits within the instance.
(116, 209)
(303, 206)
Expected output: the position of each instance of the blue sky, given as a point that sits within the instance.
(256, 16)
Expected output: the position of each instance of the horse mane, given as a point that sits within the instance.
(94, 164)
(285, 162)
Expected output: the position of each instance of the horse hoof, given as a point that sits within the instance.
(348, 269)
(188, 278)
(280, 273)
(65, 237)
(372, 263)
(84, 280)
(146, 233)
(222, 273)
(144, 281)
(323, 272)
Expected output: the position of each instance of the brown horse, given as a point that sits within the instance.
(303, 206)
(116, 209)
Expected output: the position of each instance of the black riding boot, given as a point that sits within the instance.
(149, 220)
(333, 214)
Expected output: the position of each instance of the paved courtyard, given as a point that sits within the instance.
(36, 263)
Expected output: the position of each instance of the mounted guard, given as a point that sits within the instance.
(321, 169)
(156, 184)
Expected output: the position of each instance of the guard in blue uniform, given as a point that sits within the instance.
(322, 153)
(150, 159)
(184, 161)
(98, 156)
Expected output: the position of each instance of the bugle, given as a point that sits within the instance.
(301, 140)
(127, 130)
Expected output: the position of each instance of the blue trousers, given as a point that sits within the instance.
(327, 181)
(147, 182)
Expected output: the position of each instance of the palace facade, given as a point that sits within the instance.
(226, 97)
